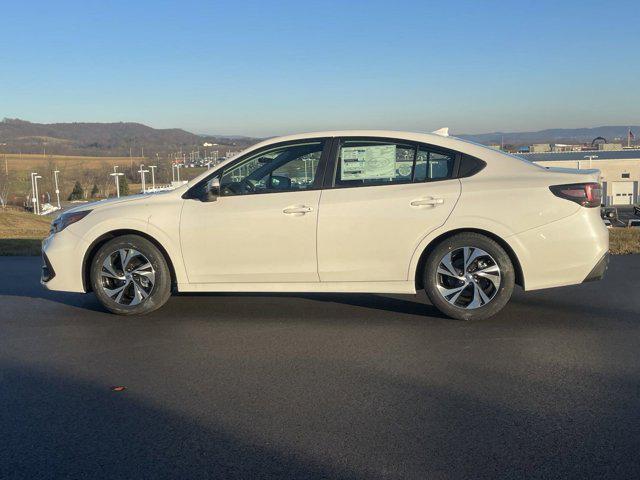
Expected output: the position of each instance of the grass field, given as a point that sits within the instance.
(88, 171)
(21, 233)
(33, 162)
(623, 241)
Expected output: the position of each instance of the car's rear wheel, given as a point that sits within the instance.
(130, 276)
(469, 276)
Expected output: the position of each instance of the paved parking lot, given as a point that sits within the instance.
(320, 386)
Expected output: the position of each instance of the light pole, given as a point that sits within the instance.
(142, 171)
(116, 176)
(55, 178)
(33, 192)
(153, 176)
(178, 170)
(35, 182)
(590, 157)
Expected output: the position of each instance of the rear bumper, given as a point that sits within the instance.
(599, 270)
(565, 252)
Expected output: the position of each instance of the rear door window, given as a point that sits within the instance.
(381, 162)
(433, 165)
(362, 163)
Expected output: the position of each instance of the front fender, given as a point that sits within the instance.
(120, 226)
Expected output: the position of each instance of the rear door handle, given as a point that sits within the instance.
(297, 210)
(427, 202)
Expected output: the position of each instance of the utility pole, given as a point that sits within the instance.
(55, 179)
(6, 165)
(153, 176)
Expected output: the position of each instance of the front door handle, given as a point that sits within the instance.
(427, 202)
(297, 210)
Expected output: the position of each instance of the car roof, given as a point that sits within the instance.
(430, 138)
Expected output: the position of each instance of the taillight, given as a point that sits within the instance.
(585, 194)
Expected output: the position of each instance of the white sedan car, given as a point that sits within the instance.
(351, 211)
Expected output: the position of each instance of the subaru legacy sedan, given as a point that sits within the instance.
(351, 211)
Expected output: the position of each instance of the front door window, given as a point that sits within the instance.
(286, 168)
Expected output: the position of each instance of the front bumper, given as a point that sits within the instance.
(62, 255)
(47, 270)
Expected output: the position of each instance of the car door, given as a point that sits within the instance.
(384, 197)
(262, 225)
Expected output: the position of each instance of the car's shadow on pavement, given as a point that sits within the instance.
(203, 302)
(321, 302)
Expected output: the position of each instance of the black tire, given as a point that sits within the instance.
(159, 291)
(501, 294)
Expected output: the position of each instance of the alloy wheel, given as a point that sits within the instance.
(468, 277)
(127, 277)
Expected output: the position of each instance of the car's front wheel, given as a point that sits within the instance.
(469, 276)
(130, 276)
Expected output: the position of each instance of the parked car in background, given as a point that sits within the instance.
(633, 223)
(350, 211)
(609, 212)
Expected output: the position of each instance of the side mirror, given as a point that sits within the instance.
(213, 192)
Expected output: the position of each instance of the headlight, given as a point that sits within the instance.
(66, 219)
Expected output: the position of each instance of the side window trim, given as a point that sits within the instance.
(331, 165)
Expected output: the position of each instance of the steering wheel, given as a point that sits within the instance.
(247, 185)
(238, 188)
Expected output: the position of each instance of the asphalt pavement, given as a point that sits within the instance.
(231, 386)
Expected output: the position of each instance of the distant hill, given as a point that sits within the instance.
(555, 135)
(103, 138)
(115, 139)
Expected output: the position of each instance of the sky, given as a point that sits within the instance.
(263, 68)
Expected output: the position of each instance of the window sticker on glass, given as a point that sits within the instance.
(368, 162)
